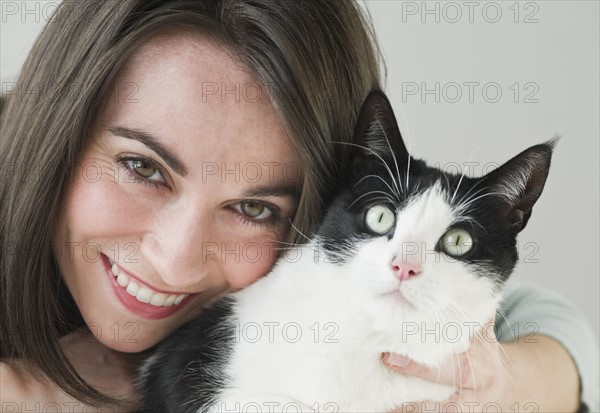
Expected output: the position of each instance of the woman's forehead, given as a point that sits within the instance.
(187, 50)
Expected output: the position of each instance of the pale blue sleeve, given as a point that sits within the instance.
(532, 309)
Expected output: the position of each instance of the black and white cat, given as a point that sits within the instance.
(407, 260)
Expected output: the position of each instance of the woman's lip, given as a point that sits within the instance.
(136, 307)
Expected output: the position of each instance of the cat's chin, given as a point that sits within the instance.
(424, 334)
(397, 299)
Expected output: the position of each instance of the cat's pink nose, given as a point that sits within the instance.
(405, 270)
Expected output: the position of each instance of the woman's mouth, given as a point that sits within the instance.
(139, 298)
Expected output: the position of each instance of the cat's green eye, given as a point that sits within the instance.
(456, 242)
(380, 219)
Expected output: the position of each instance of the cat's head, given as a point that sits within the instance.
(422, 244)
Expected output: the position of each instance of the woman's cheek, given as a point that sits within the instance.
(246, 261)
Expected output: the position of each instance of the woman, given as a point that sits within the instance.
(169, 144)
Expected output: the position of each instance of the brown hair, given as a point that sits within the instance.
(321, 54)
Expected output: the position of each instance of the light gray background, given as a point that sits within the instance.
(549, 52)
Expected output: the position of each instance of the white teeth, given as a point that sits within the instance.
(122, 280)
(145, 294)
(133, 288)
(170, 300)
(158, 299)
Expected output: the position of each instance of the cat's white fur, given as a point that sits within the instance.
(350, 305)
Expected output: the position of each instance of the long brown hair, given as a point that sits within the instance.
(320, 54)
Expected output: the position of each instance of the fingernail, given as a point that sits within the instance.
(398, 360)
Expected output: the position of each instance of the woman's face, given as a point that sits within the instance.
(187, 180)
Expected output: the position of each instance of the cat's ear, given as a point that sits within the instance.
(376, 133)
(519, 183)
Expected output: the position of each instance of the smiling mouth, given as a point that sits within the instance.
(143, 293)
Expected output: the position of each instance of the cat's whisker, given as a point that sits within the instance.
(378, 177)
(481, 197)
(509, 361)
(346, 247)
(471, 370)
(457, 186)
(447, 182)
(472, 374)
(284, 249)
(371, 151)
(274, 241)
(391, 152)
(408, 140)
(287, 247)
(467, 197)
(298, 231)
(498, 358)
(438, 320)
(385, 197)
(457, 355)
(485, 344)
(505, 319)
(470, 159)
(467, 218)
(469, 278)
(461, 209)
(407, 173)
(460, 373)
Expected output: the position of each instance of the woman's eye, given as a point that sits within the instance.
(254, 210)
(456, 242)
(380, 219)
(144, 169)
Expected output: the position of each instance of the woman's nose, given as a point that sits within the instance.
(175, 247)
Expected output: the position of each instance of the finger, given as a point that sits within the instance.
(457, 371)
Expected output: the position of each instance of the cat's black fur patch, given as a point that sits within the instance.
(192, 371)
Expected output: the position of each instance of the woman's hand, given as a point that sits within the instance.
(482, 377)
(105, 369)
(531, 374)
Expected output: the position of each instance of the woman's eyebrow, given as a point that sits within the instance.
(153, 144)
(281, 190)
